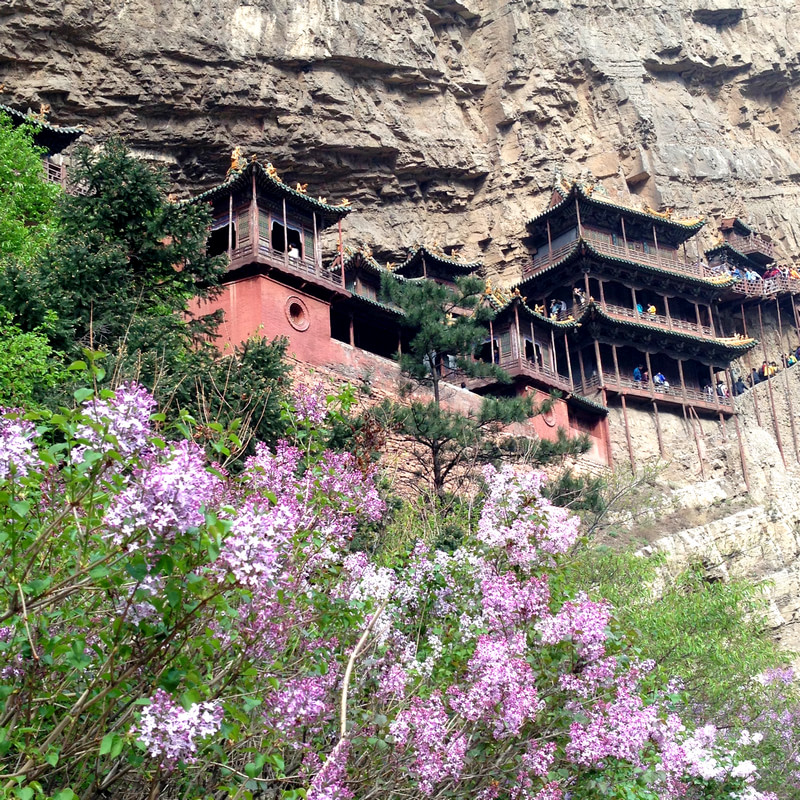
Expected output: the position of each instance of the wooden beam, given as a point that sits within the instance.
(683, 381)
(769, 390)
(745, 474)
(616, 365)
(599, 364)
(658, 429)
(628, 432)
(285, 236)
(569, 360)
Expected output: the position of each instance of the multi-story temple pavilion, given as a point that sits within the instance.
(53, 139)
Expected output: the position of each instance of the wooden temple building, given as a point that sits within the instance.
(617, 306)
(53, 139)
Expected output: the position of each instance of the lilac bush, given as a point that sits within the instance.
(170, 629)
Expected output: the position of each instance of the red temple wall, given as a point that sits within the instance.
(261, 306)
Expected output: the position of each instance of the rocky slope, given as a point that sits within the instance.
(442, 120)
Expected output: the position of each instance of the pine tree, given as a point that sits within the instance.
(448, 325)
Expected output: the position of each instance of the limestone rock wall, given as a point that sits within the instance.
(442, 120)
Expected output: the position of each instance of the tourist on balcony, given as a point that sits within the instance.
(754, 377)
(294, 252)
(651, 310)
(739, 387)
(639, 309)
(637, 374)
(793, 273)
(554, 308)
(736, 273)
(578, 294)
(763, 371)
(708, 390)
(722, 389)
(661, 383)
(751, 275)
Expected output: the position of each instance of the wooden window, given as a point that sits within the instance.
(308, 252)
(244, 226)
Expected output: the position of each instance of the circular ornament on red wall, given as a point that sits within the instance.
(297, 313)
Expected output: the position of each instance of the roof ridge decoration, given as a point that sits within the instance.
(241, 167)
(40, 119)
(597, 193)
(437, 252)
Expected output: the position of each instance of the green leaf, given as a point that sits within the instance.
(106, 744)
(75, 366)
(81, 395)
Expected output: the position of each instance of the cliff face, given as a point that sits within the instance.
(441, 120)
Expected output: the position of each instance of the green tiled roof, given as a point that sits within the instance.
(51, 137)
(585, 402)
(579, 189)
(34, 120)
(240, 179)
(499, 307)
(415, 255)
(594, 309)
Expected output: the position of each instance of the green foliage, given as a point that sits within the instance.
(29, 367)
(128, 261)
(27, 201)
(709, 633)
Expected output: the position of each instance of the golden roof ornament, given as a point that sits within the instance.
(345, 202)
(238, 162)
(301, 187)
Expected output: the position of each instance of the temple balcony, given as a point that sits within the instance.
(515, 366)
(676, 395)
(308, 269)
(663, 260)
(659, 321)
(756, 246)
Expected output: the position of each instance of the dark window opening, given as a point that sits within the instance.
(291, 238)
(340, 326)
(218, 241)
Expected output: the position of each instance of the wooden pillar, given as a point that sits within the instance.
(769, 389)
(519, 336)
(549, 244)
(317, 259)
(697, 313)
(424, 268)
(658, 429)
(578, 214)
(285, 237)
(491, 340)
(635, 301)
(628, 432)
(711, 321)
(602, 293)
(655, 242)
(741, 452)
(683, 381)
(569, 360)
(690, 420)
(583, 372)
(616, 365)
(722, 426)
(794, 313)
(713, 384)
(553, 344)
(341, 250)
(787, 391)
(650, 373)
(352, 331)
(624, 236)
(230, 227)
(750, 369)
(399, 341)
(586, 285)
(666, 309)
(599, 364)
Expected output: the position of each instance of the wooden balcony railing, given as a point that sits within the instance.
(658, 320)
(245, 254)
(752, 244)
(675, 394)
(514, 366)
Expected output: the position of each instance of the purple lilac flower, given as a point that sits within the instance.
(583, 622)
(120, 423)
(170, 732)
(500, 686)
(166, 495)
(17, 456)
(310, 403)
(330, 783)
(437, 754)
(302, 703)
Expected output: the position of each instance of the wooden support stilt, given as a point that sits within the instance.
(352, 331)
(742, 456)
(658, 429)
(683, 382)
(549, 244)
(628, 432)
(722, 427)
(690, 420)
(583, 371)
(569, 360)
(341, 247)
(286, 236)
(749, 364)
(616, 364)
(787, 391)
(599, 363)
(230, 227)
(553, 344)
(769, 389)
(649, 374)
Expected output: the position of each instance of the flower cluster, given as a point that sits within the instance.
(166, 495)
(169, 732)
(120, 422)
(17, 454)
(310, 403)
